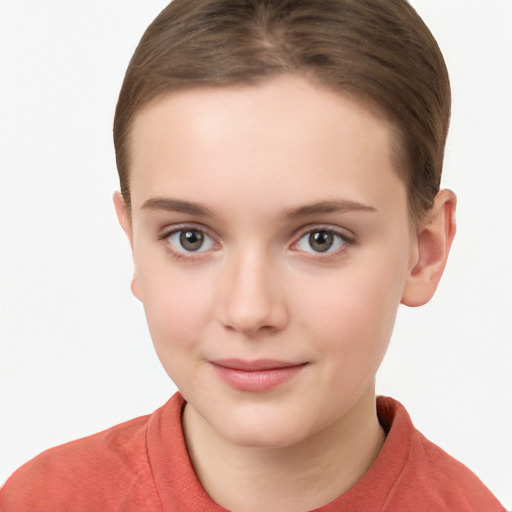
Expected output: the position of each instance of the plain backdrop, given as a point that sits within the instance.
(76, 356)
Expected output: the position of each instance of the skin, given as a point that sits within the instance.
(253, 158)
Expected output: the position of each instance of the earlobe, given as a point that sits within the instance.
(135, 287)
(434, 239)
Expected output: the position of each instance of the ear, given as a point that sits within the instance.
(123, 215)
(126, 223)
(433, 241)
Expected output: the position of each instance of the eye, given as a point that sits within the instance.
(190, 240)
(322, 241)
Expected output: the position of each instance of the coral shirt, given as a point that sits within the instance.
(143, 465)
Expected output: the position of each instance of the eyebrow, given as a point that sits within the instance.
(336, 206)
(176, 205)
(191, 208)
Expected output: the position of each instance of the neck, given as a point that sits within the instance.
(300, 477)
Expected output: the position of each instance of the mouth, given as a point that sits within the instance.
(256, 376)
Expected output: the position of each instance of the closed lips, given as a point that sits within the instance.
(256, 376)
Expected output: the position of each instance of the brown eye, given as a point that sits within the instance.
(321, 241)
(191, 240)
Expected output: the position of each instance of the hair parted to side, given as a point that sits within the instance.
(379, 50)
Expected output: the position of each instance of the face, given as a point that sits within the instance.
(272, 245)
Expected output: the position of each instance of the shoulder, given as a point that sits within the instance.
(430, 478)
(93, 473)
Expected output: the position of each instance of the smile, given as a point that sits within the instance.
(256, 376)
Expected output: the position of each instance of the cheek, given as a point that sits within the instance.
(353, 317)
(177, 311)
(178, 306)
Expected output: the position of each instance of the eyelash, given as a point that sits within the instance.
(183, 256)
(323, 256)
(327, 255)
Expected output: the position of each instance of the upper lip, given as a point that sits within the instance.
(255, 364)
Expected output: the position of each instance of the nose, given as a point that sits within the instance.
(253, 299)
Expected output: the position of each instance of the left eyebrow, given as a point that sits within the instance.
(337, 206)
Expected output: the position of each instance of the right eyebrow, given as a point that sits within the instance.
(176, 205)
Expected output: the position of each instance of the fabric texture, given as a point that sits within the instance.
(143, 465)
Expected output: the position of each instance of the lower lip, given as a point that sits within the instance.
(257, 380)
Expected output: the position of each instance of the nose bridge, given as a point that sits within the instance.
(253, 299)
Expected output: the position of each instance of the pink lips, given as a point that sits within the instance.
(257, 376)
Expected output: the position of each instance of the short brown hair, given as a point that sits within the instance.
(376, 49)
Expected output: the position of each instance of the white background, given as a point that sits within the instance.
(75, 354)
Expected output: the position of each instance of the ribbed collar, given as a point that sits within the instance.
(180, 489)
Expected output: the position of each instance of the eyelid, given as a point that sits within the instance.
(343, 232)
(347, 236)
(168, 231)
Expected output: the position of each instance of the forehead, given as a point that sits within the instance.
(287, 136)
